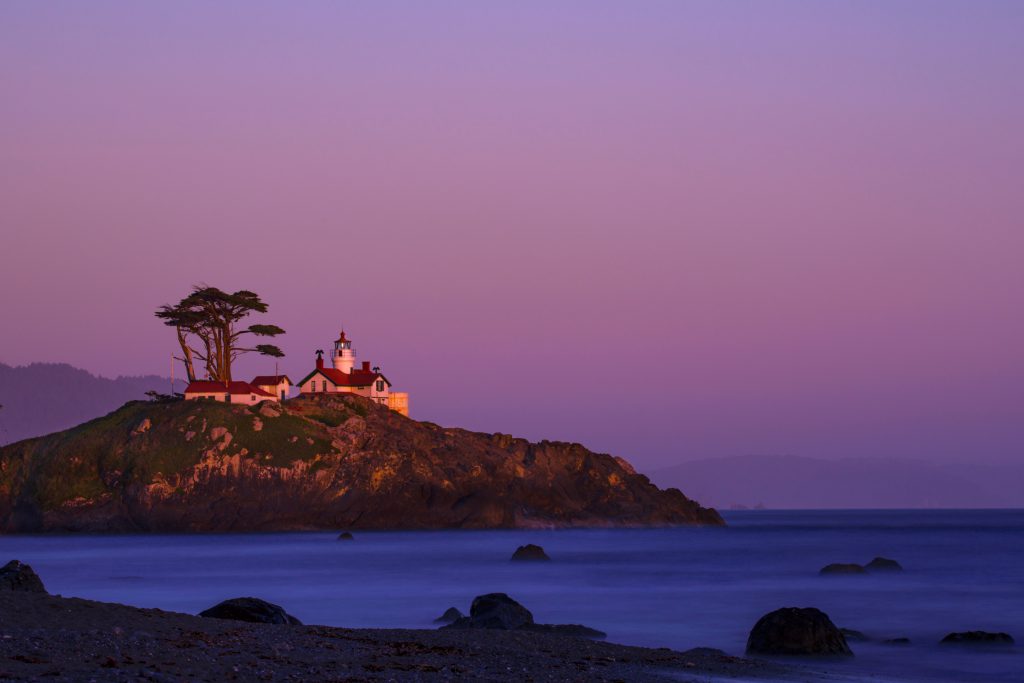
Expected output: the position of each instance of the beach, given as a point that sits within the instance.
(67, 639)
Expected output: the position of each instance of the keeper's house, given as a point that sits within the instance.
(345, 378)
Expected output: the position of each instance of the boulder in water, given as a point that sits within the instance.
(346, 536)
(250, 609)
(883, 564)
(494, 611)
(18, 576)
(896, 641)
(451, 614)
(530, 553)
(977, 638)
(499, 611)
(839, 568)
(797, 631)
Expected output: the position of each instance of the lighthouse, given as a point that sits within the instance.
(344, 355)
(347, 378)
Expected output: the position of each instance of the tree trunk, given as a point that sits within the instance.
(226, 351)
(211, 362)
(186, 355)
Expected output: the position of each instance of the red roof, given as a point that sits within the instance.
(210, 387)
(358, 378)
(343, 338)
(269, 380)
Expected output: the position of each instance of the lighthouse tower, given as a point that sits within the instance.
(344, 355)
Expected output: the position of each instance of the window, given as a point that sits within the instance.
(380, 385)
(227, 397)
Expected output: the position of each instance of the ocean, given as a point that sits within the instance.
(677, 588)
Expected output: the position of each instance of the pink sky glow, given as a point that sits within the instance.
(667, 230)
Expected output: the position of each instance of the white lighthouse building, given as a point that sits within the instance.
(345, 377)
(344, 355)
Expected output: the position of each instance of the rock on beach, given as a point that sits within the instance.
(251, 610)
(18, 576)
(797, 631)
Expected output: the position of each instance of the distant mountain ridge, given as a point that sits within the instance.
(785, 481)
(42, 398)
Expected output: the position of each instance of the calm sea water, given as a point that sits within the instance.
(677, 588)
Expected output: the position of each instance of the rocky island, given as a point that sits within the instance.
(314, 462)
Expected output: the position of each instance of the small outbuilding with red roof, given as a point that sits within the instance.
(278, 385)
(229, 392)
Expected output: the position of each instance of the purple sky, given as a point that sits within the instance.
(668, 230)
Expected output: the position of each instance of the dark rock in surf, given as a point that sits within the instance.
(346, 536)
(896, 641)
(494, 611)
(883, 564)
(18, 576)
(839, 568)
(797, 631)
(451, 614)
(530, 553)
(499, 611)
(977, 638)
(250, 609)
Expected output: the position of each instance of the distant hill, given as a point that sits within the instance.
(782, 481)
(320, 461)
(42, 398)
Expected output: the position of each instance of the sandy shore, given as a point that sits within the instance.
(51, 638)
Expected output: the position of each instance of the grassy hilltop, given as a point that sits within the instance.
(321, 462)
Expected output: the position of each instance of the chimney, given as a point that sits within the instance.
(366, 366)
(319, 360)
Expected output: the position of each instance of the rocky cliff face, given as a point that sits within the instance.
(323, 462)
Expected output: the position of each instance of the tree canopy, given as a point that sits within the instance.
(209, 326)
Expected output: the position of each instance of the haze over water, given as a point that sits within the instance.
(677, 588)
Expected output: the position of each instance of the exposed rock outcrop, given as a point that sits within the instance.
(316, 462)
(530, 553)
(451, 614)
(18, 576)
(495, 610)
(883, 564)
(797, 631)
(839, 568)
(977, 638)
(896, 641)
(250, 609)
(499, 611)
